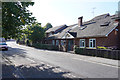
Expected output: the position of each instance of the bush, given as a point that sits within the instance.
(104, 53)
(78, 50)
(45, 46)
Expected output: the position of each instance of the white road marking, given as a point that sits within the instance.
(97, 63)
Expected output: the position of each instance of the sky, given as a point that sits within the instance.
(59, 12)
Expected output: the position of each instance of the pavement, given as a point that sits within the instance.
(56, 64)
(99, 60)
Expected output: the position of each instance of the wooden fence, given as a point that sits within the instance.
(111, 54)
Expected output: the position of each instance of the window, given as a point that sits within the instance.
(57, 42)
(62, 42)
(92, 43)
(82, 43)
(53, 42)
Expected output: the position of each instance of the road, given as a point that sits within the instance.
(28, 62)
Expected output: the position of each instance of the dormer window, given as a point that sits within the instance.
(83, 27)
(105, 24)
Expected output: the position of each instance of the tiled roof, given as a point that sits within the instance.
(98, 29)
(99, 26)
(53, 29)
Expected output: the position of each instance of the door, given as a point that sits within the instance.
(70, 45)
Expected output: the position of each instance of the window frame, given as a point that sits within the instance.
(80, 43)
(92, 43)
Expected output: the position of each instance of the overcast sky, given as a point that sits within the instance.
(58, 12)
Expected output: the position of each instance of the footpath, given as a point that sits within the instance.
(104, 61)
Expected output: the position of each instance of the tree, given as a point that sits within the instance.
(14, 16)
(47, 26)
(35, 33)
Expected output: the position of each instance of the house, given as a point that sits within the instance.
(103, 30)
(50, 33)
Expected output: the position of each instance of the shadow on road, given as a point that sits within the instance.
(14, 51)
(37, 71)
(8, 71)
(29, 70)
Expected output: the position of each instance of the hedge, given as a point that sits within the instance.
(45, 46)
(105, 53)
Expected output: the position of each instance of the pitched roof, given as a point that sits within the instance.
(99, 26)
(53, 29)
(61, 34)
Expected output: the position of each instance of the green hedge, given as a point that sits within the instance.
(79, 50)
(45, 46)
(104, 53)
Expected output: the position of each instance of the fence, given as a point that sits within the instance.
(111, 54)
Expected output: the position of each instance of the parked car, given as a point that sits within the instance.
(3, 46)
(2, 39)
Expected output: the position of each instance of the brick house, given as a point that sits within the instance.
(102, 31)
(52, 32)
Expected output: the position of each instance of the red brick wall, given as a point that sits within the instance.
(113, 39)
(76, 41)
(118, 36)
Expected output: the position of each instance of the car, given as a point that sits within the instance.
(3, 46)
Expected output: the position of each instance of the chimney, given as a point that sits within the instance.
(80, 21)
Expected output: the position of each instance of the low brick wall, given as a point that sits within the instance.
(111, 54)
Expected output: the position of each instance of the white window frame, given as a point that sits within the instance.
(53, 42)
(92, 43)
(80, 43)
